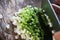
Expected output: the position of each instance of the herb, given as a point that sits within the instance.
(31, 20)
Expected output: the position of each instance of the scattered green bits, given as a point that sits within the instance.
(31, 23)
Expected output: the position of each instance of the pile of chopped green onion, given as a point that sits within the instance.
(28, 25)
